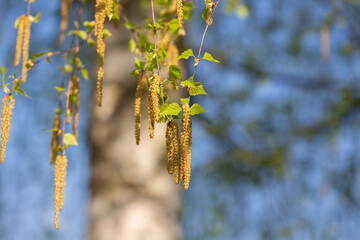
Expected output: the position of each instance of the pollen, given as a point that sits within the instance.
(180, 13)
(153, 104)
(55, 138)
(100, 9)
(59, 188)
(172, 147)
(19, 40)
(138, 95)
(25, 50)
(8, 103)
(65, 7)
(186, 132)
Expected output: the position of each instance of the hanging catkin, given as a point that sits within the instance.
(55, 137)
(138, 95)
(153, 104)
(180, 13)
(25, 50)
(8, 103)
(109, 7)
(172, 147)
(186, 131)
(65, 7)
(59, 188)
(100, 15)
(19, 40)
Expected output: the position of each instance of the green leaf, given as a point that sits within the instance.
(184, 101)
(150, 27)
(196, 109)
(129, 25)
(207, 56)
(60, 89)
(174, 26)
(70, 139)
(85, 74)
(172, 109)
(37, 17)
(186, 54)
(82, 34)
(158, 25)
(188, 7)
(132, 45)
(188, 83)
(68, 68)
(197, 90)
(91, 42)
(106, 33)
(175, 72)
(139, 64)
(37, 55)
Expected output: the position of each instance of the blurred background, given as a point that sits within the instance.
(275, 156)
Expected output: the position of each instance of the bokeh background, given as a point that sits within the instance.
(275, 157)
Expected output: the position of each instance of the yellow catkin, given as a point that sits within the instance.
(76, 92)
(59, 186)
(19, 40)
(8, 104)
(100, 14)
(25, 50)
(153, 104)
(173, 148)
(180, 13)
(55, 138)
(138, 95)
(186, 131)
(173, 54)
(109, 7)
(65, 7)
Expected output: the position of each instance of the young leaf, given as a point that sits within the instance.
(85, 74)
(175, 72)
(172, 109)
(196, 109)
(207, 56)
(184, 101)
(129, 25)
(197, 90)
(186, 54)
(70, 139)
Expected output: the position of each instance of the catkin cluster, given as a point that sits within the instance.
(22, 44)
(60, 177)
(55, 137)
(8, 104)
(186, 131)
(65, 7)
(138, 95)
(180, 13)
(74, 101)
(153, 104)
(100, 14)
(173, 149)
(172, 55)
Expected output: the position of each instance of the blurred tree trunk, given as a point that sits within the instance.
(132, 196)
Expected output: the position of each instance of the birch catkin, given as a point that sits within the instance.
(138, 95)
(8, 103)
(100, 15)
(186, 131)
(65, 7)
(59, 186)
(55, 138)
(153, 104)
(25, 50)
(172, 148)
(109, 7)
(19, 40)
(180, 13)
